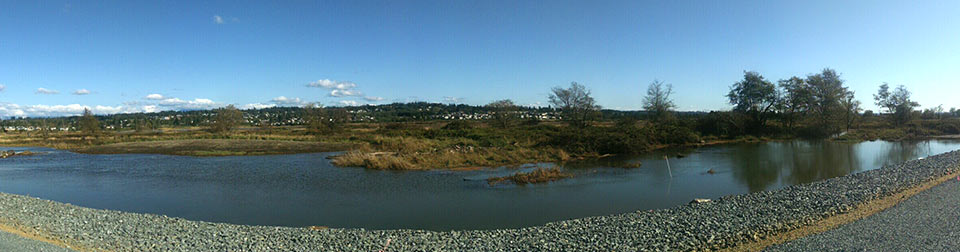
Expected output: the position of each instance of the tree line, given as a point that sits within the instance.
(815, 105)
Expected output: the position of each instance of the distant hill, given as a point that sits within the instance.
(282, 116)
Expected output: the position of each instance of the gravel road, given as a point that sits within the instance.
(14, 243)
(724, 222)
(928, 221)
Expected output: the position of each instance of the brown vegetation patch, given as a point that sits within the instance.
(375, 160)
(540, 175)
(471, 159)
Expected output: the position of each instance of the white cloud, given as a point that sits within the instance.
(342, 93)
(342, 89)
(349, 103)
(81, 92)
(217, 19)
(168, 104)
(257, 106)
(203, 101)
(195, 104)
(10, 109)
(373, 98)
(451, 99)
(284, 101)
(535, 104)
(331, 84)
(2, 87)
(47, 91)
(154, 97)
(172, 101)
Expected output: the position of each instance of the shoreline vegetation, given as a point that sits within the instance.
(423, 136)
(537, 176)
(416, 147)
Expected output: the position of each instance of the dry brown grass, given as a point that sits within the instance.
(450, 158)
(373, 160)
(540, 175)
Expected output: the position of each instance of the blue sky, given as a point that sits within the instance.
(130, 56)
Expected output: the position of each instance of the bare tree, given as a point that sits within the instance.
(575, 103)
(321, 120)
(504, 113)
(313, 116)
(89, 125)
(851, 109)
(44, 129)
(336, 118)
(939, 111)
(227, 119)
(658, 100)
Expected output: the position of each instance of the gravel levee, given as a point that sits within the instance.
(724, 222)
(928, 221)
(14, 243)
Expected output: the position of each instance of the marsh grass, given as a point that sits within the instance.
(440, 144)
(540, 175)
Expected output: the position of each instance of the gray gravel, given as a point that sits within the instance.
(928, 221)
(724, 222)
(14, 243)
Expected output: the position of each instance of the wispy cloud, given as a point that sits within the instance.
(373, 98)
(46, 91)
(155, 97)
(217, 19)
(342, 93)
(178, 104)
(2, 87)
(349, 103)
(451, 99)
(81, 92)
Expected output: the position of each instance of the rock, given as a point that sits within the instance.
(698, 201)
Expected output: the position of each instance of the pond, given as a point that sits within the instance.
(305, 189)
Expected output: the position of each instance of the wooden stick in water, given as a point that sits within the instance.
(668, 166)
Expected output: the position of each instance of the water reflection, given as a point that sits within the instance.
(775, 164)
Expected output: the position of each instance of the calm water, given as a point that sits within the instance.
(304, 189)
